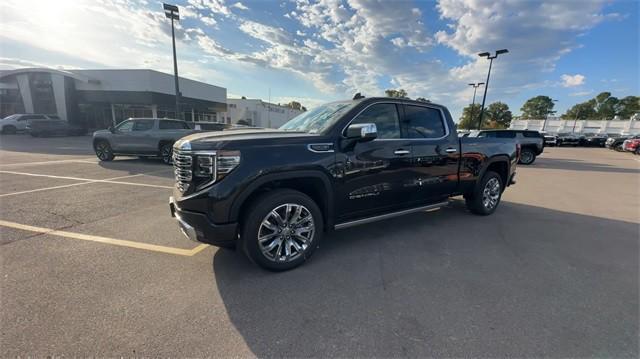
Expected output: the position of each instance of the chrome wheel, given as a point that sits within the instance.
(166, 152)
(286, 232)
(526, 157)
(491, 193)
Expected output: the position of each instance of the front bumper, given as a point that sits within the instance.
(197, 227)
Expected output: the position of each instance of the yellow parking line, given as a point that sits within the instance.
(106, 240)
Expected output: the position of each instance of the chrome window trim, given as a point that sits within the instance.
(442, 118)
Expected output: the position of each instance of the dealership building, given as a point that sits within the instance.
(255, 112)
(100, 98)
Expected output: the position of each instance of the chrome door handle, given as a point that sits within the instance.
(451, 150)
(401, 152)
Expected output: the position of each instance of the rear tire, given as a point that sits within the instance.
(486, 196)
(281, 230)
(619, 148)
(527, 156)
(103, 150)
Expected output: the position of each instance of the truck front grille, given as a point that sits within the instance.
(182, 169)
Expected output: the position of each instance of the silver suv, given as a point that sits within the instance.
(18, 122)
(145, 137)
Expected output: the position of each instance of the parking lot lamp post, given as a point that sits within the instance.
(171, 12)
(544, 124)
(486, 86)
(573, 130)
(473, 102)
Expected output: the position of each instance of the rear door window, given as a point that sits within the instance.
(505, 134)
(143, 125)
(531, 134)
(423, 122)
(173, 125)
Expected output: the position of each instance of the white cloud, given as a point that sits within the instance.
(240, 6)
(572, 80)
(581, 93)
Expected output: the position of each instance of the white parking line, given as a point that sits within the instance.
(106, 240)
(112, 180)
(79, 160)
(84, 181)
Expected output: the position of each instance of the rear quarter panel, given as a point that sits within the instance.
(478, 153)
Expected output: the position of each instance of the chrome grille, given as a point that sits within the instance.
(182, 169)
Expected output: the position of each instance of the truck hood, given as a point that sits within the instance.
(208, 139)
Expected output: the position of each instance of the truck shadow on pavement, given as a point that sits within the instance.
(527, 281)
(580, 165)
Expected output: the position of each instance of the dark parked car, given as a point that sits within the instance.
(531, 142)
(53, 126)
(568, 139)
(550, 140)
(593, 140)
(273, 193)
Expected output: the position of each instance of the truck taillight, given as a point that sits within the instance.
(518, 149)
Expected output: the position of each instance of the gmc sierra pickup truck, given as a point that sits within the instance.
(274, 193)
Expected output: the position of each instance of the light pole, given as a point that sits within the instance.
(171, 12)
(473, 102)
(486, 86)
(544, 124)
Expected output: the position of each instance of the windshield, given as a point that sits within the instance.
(318, 119)
(12, 117)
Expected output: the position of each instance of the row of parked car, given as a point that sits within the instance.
(39, 125)
(624, 143)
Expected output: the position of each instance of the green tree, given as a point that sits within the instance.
(581, 111)
(629, 106)
(606, 106)
(294, 105)
(396, 93)
(469, 119)
(497, 115)
(539, 107)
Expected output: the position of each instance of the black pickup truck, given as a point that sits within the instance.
(274, 193)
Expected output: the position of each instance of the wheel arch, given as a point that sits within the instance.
(313, 183)
(499, 164)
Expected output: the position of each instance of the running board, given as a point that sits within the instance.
(358, 222)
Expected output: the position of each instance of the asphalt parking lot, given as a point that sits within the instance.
(93, 265)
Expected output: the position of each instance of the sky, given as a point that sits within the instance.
(319, 51)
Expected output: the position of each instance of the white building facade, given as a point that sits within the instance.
(100, 98)
(258, 113)
(556, 125)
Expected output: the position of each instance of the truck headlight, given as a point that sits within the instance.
(213, 166)
(227, 161)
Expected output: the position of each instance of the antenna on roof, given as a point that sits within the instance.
(357, 96)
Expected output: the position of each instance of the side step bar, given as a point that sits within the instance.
(389, 215)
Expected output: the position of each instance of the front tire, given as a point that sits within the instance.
(9, 130)
(527, 156)
(166, 152)
(103, 151)
(486, 197)
(282, 229)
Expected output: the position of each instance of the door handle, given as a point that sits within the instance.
(401, 152)
(451, 150)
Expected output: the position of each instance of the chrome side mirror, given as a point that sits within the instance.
(362, 131)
